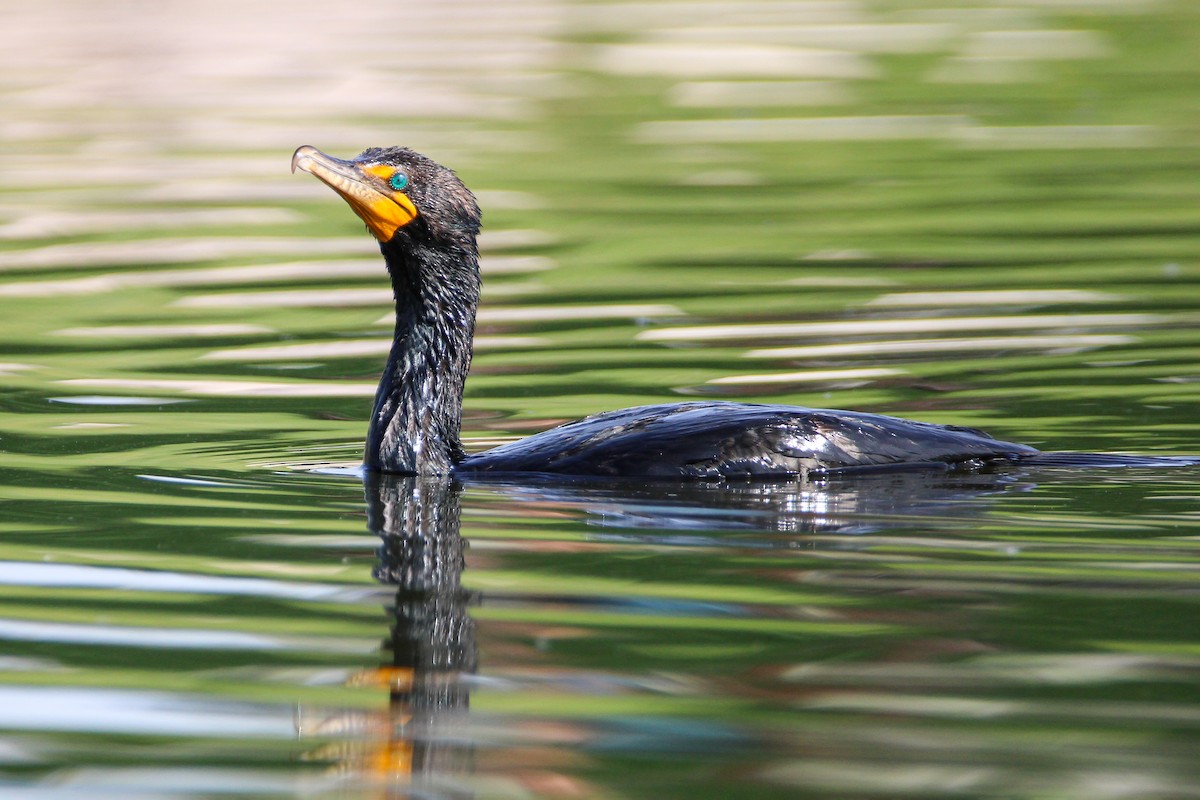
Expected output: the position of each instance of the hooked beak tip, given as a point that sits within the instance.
(302, 158)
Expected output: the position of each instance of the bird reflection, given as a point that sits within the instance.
(431, 645)
(421, 744)
(851, 505)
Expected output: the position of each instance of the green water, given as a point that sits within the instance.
(962, 213)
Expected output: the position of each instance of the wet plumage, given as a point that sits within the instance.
(739, 440)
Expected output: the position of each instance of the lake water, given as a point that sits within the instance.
(969, 212)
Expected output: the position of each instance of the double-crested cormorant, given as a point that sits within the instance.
(426, 222)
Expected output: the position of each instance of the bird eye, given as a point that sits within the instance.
(398, 180)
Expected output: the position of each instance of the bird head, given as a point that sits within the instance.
(398, 193)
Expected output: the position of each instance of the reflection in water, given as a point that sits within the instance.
(423, 741)
(841, 697)
(881, 638)
(874, 327)
(432, 641)
(852, 505)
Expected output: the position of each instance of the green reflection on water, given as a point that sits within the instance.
(1028, 638)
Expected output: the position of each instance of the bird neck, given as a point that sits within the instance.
(415, 425)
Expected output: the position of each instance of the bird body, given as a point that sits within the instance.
(717, 440)
(426, 221)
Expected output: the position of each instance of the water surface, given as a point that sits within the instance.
(963, 213)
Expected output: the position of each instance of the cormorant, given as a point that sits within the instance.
(426, 221)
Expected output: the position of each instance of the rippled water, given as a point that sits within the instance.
(960, 212)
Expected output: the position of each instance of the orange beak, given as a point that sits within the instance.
(384, 209)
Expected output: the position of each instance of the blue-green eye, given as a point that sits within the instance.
(398, 180)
